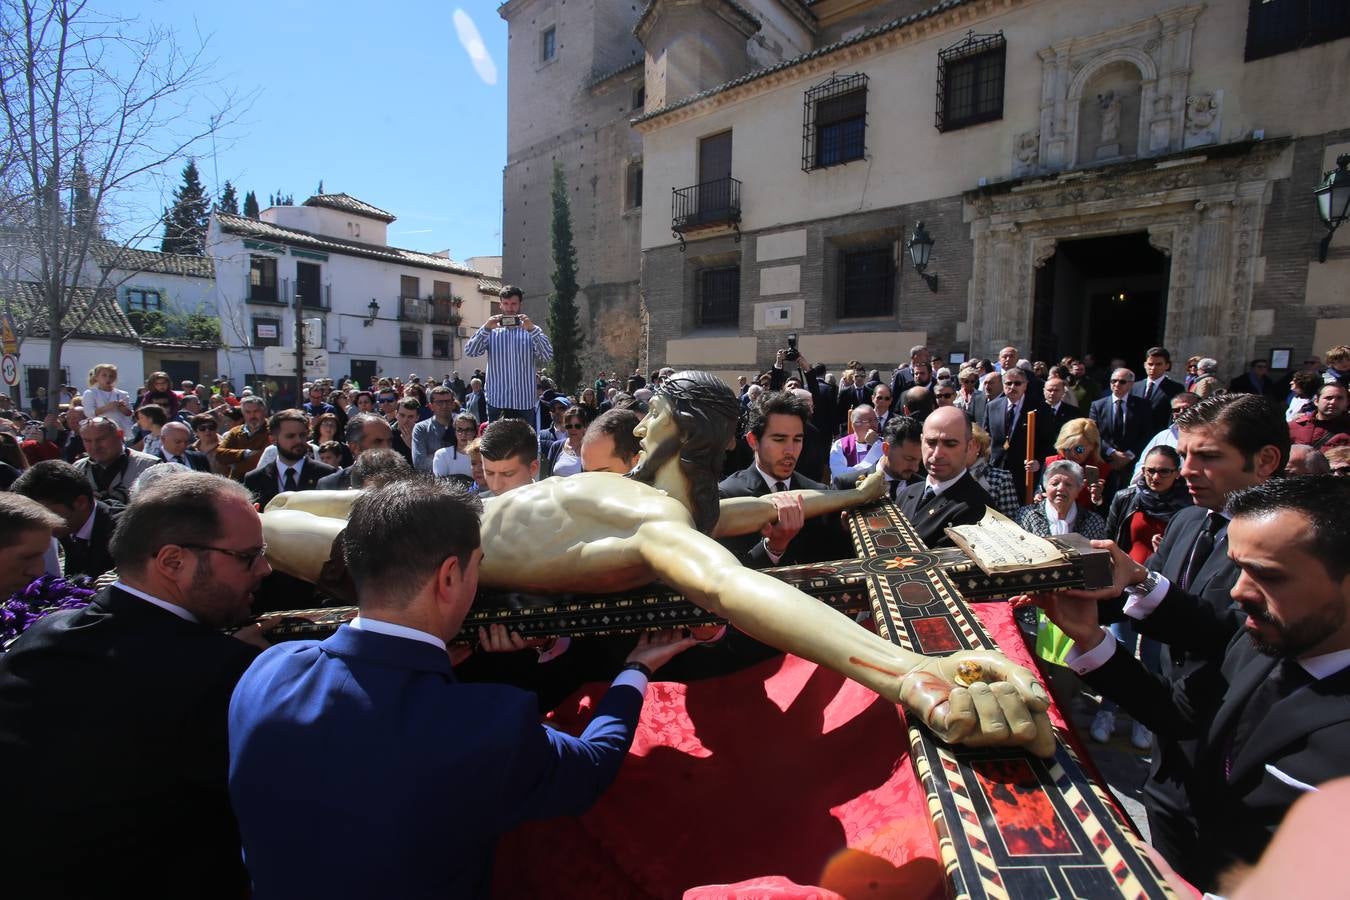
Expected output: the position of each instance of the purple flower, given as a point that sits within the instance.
(44, 596)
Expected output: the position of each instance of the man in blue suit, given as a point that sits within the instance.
(366, 740)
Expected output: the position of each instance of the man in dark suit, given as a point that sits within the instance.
(901, 457)
(852, 392)
(775, 432)
(88, 523)
(824, 398)
(1157, 389)
(386, 676)
(1005, 418)
(1272, 721)
(904, 378)
(1256, 380)
(1060, 411)
(173, 447)
(364, 431)
(476, 400)
(1227, 443)
(126, 699)
(949, 496)
(1125, 422)
(293, 469)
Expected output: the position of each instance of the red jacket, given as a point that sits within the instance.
(1305, 429)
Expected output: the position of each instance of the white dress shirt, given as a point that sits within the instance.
(165, 605)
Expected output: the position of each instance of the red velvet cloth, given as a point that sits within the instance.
(782, 780)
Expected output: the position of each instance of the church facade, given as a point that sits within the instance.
(1093, 177)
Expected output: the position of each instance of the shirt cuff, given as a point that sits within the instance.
(1094, 659)
(1139, 606)
(773, 557)
(556, 649)
(632, 678)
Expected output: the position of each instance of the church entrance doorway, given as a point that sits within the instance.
(1106, 296)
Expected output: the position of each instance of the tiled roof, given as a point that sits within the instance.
(489, 285)
(116, 256)
(166, 343)
(266, 231)
(865, 35)
(106, 322)
(598, 77)
(642, 17)
(348, 203)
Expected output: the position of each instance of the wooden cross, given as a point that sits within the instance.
(1009, 824)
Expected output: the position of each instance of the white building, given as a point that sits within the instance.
(380, 310)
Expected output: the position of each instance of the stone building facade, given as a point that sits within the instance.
(574, 80)
(1095, 177)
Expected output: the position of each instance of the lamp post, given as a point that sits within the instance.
(374, 310)
(920, 247)
(1333, 202)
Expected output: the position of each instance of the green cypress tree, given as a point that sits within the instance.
(229, 199)
(563, 328)
(185, 221)
(251, 208)
(82, 201)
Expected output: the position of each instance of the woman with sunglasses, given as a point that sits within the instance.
(564, 456)
(1080, 442)
(452, 460)
(1139, 515)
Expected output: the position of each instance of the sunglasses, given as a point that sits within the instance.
(1122, 381)
(946, 395)
(1014, 383)
(575, 426)
(1158, 473)
(1079, 449)
(204, 428)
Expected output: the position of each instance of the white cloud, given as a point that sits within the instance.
(472, 42)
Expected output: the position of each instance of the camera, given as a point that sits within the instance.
(510, 320)
(791, 353)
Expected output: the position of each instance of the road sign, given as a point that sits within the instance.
(9, 339)
(281, 361)
(9, 367)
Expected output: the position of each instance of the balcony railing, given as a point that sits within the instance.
(413, 309)
(706, 205)
(323, 301)
(444, 313)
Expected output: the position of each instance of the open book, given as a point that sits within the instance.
(998, 544)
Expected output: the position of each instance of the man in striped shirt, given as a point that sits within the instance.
(512, 349)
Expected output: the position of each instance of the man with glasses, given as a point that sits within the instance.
(1005, 418)
(111, 466)
(1124, 421)
(126, 699)
(1169, 436)
(436, 432)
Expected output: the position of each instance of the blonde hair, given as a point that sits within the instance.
(1080, 431)
(980, 438)
(101, 367)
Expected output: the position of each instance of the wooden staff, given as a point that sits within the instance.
(1031, 454)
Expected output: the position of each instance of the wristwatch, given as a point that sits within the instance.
(1145, 587)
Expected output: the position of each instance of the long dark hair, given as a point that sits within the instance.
(705, 411)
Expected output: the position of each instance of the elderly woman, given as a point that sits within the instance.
(452, 461)
(1079, 441)
(1059, 513)
(1139, 515)
(998, 483)
(859, 450)
(564, 456)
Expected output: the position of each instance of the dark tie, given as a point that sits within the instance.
(180, 460)
(1118, 425)
(895, 487)
(291, 484)
(926, 497)
(1287, 677)
(779, 487)
(1203, 547)
(1008, 422)
(1148, 391)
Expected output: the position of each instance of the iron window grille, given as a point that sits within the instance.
(834, 122)
(866, 283)
(142, 300)
(719, 296)
(1279, 26)
(410, 342)
(262, 279)
(440, 345)
(970, 81)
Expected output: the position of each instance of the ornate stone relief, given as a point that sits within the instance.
(1203, 118)
(1026, 153)
(1159, 47)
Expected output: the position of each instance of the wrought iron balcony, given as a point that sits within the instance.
(412, 309)
(443, 312)
(706, 205)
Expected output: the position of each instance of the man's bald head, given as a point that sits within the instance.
(949, 417)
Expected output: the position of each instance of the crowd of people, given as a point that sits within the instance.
(1220, 502)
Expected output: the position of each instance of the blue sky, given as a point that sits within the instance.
(379, 100)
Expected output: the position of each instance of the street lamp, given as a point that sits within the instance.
(1333, 201)
(374, 310)
(920, 247)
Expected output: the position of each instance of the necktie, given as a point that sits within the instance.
(1148, 391)
(779, 487)
(1118, 425)
(180, 460)
(1287, 677)
(291, 484)
(927, 497)
(1008, 422)
(1203, 547)
(895, 487)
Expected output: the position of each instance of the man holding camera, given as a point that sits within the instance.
(514, 345)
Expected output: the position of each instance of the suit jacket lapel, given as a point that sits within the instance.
(1302, 712)
(1185, 540)
(1244, 682)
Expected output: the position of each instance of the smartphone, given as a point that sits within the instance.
(1092, 474)
(510, 320)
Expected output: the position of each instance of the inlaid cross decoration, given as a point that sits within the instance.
(1009, 824)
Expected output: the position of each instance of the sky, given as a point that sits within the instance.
(379, 100)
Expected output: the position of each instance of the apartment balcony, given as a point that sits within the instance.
(443, 312)
(707, 205)
(414, 309)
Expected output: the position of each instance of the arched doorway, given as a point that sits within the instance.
(1106, 296)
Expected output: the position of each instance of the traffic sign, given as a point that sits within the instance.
(9, 341)
(9, 367)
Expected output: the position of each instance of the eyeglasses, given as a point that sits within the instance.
(1122, 381)
(247, 557)
(1007, 383)
(575, 426)
(204, 428)
(1158, 473)
(1079, 449)
(388, 399)
(946, 395)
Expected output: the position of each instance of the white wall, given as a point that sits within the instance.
(179, 293)
(332, 222)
